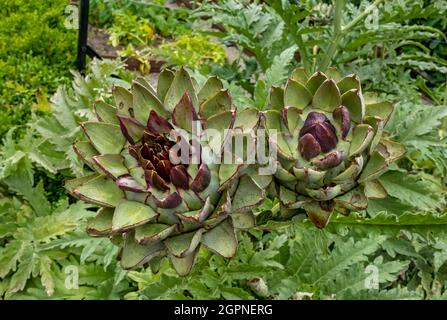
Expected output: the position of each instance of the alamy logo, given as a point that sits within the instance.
(372, 280)
(372, 20)
(72, 277)
(71, 17)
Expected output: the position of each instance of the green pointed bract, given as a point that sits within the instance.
(391, 150)
(199, 215)
(353, 100)
(218, 122)
(86, 152)
(165, 79)
(246, 120)
(223, 209)
(352, 172)
(315, 81)
(275, 121)
(244, 220)
(138, 175)
(293, 118)
(353, 200)
(105, 112)
(111, 164)
(184, 113)
(183, 265)
(326, 194)
(374, 190)
(211, 87)
(262, 180)
(145, 83)
(161, 206)
(247, 196)
(135, 255)
(130, 214)
(377, 124)
(329, 143)
(221, 239)
(153, 232)
(284, 175)
(287, 196)
(185, 244)
(383, 110)
(276, 98)
(228, 173)
(327, 97)
(123, 100)
(361, 138)
(180, 84)
(101, 225)
(333, 73)
(299, 75)
(218, 103)
(71, 185)
(308, 175)
(97, 190)
(374, 168)
(106, 138)
(155, 264)
(192, 201)
(144, 101)
(348, 83)
(296, 95)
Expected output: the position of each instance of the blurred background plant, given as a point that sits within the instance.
(193, 51)
(36, 53)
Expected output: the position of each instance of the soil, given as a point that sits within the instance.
(99, 40)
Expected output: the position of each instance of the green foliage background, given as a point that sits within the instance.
(402, 58)
(36, 54)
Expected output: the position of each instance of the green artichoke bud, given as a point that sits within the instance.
(155, 199)
(330, 143)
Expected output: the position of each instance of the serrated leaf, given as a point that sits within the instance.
(277, 73)
(412, 190)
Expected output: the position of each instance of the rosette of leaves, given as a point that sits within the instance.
(331, 145)
(153, 204)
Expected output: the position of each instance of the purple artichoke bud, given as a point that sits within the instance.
(202, 179)
(331, 160)
(309, 146)
(154, 156)
(179, 177)
(342, 116)
(317, 135)
(155, 181)
(157, 124)
(155, 153)
(170, 202)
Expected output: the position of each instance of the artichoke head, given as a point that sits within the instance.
(330, 143)
(160, 190)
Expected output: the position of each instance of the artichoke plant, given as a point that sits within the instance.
(331, 145)
(152, 202)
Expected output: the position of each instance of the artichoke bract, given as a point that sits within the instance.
(157, 197)
(330, 143)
